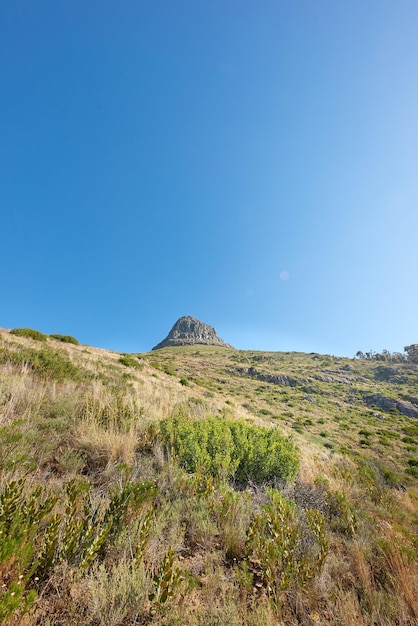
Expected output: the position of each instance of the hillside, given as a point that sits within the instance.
(357, 408)
(205, 485)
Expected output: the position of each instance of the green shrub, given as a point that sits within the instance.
(387, 433)
(200, 444)
(28, 332)
(46, 362)
(231, 449)
(130, 361)
(412, 471)
(390, 477)
(65, 339)
(365, 433)
(411, 430)
(384, 441)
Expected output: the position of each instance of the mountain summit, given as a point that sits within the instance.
(188, 331)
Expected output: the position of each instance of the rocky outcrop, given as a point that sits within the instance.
(275, 379)
(385, 403)
(188, 331)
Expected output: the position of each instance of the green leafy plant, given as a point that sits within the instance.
(231, 448)
(289, 544)
(166, 580)
(33, 540)
(20, 519)
(144, 532)
(15, 600)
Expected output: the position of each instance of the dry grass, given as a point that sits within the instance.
(94, 429)
(19, 397)
(403, 578)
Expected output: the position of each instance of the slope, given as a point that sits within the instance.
(122, 531)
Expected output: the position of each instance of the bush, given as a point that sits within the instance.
(28, 332)
(231, 449)
(130, 361)
(46, 363)
(411, 430)
(65, 339)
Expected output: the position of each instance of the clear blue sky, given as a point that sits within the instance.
(253, 164)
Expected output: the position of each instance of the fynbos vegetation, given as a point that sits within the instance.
(269, 489)
(229, 449)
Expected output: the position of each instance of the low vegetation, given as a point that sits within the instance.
(130, 361)
(65, 339)
(47, 363)
(129, 497)
(28, 332)
(230, 449)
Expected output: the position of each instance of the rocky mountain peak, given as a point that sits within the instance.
(189, 331)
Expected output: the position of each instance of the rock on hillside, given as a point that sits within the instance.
(385, 403)
(188, 331)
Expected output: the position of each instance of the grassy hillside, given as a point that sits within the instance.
(205, 486)
(325, 402)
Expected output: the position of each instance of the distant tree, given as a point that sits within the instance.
(412, 352)
(385, 355)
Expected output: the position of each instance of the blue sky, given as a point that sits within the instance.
(253, 164)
